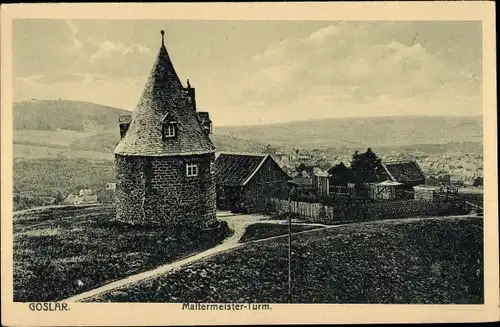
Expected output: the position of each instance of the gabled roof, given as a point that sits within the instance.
(236, 169)
(232, 169)
(168, 118)
(406, 172)
(162, 94)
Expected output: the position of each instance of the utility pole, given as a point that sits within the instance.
(289, 249)
(290, 245)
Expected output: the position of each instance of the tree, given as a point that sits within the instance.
(478, 182)
(340, 174)
(301, 167)
(365, 166)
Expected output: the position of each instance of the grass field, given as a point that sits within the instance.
(30, 151)
(46, 177)
(263, 230)
(412, 261)
(60, 252)
(40, 137)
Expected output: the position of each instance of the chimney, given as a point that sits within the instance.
(190, 92)
(124, 122)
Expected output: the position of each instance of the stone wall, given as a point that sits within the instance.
(157, 190)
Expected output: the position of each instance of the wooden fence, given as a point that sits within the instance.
(317, 212)
(303, 209)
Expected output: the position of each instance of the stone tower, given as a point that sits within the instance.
(164, 161)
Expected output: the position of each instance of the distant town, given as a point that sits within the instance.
(460, 169)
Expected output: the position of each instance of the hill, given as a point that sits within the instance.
(63, 251)
(51, 115)
(425, 261)
(35, 144)
(362, 132)
(456, 147)
(85, 126)
(55, 128)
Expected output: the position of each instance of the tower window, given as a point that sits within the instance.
(212, 167)
(191, 170)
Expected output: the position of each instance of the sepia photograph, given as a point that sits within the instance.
(235, 165)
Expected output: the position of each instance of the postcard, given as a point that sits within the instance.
(249, 163)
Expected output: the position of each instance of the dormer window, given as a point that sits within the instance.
(169, 126)
(169, 131)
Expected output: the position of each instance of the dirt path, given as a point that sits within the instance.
(238, 223)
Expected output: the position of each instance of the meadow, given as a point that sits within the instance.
(63, 251)
(35, 179)
(411, 261)
(259, 231)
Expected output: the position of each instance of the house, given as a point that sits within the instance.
(386, 190)
(303, 180)
(165, 158)
(300, 155)
(304, 156)
(85, 198)
(85, 192)
(246, 182)
(321, 183)
(404, 172)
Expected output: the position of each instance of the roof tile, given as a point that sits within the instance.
(405, 171)
(164, 94)
(235, 169)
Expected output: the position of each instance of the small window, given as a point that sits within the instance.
(212, 167)
(169, 130)
(191, 170)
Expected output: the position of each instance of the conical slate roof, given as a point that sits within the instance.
(164, 95)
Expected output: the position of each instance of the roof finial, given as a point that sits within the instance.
(189, 85)
(162, 37)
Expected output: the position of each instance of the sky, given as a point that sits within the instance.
(255, 72)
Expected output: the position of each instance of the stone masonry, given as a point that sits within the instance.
(157, 190)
